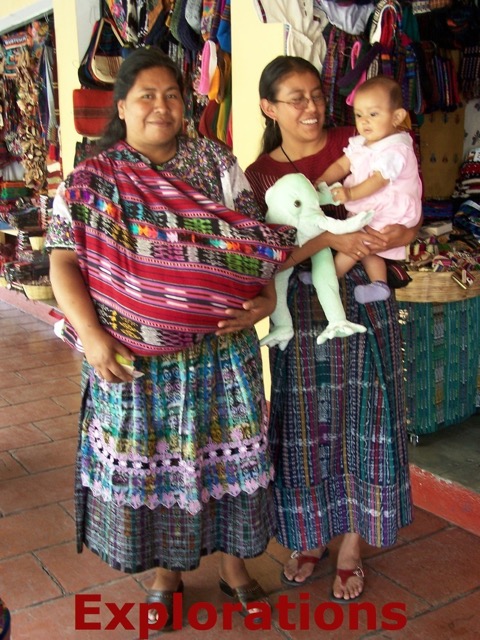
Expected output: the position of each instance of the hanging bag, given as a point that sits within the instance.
(107, 52)
(92, 110)
(103, 57)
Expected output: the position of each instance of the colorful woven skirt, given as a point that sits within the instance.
(175, 465)
(338, 425)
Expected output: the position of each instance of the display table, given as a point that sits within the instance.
(442, 354)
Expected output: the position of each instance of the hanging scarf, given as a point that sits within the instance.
(161, 260)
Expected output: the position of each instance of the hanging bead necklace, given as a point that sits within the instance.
(290, 160)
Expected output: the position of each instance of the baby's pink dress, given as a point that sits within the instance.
(400, 201)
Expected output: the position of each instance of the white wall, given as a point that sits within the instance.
(21, 12)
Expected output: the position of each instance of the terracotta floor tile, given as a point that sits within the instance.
(344, 622)
(55, 620)
(52, 372)
(74, 571)
(45, 389)
(34, 529)
(424, 524)
(22, 435)
(13, 329)
(40, 333)
(52, 455)
(59, 428)
(68, 506)
(35, 490)
(26, 348)
(30, 343)
(13, 379)
(22, 413)
(437, 568)
(26, 362)
(70, 402)
(23, 582)
(9, 467)
(9, 314)
(57, 356)
(459, 620)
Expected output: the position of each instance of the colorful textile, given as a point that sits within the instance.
(134, 540)
(193, 430)
(182, 433)
(442, 362)
(175, 465)
(163, 261)
(337, 414)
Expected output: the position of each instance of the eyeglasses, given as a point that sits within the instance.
(302, 103)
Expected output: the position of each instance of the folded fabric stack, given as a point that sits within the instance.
(10, 190)
(468, 218)
(442, 209)
(468, 182)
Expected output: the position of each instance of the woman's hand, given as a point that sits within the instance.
(356, 245)
(394, 235)
(252, 311)
(101, 350)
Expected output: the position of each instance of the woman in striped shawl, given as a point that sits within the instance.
(173, 462)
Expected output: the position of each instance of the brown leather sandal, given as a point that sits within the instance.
(344, 575)
(303, 558)
(165, 597)
(252, 592)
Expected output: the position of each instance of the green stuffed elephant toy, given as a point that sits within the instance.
(293, 200)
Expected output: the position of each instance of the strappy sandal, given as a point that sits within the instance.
(252, 592)
(344, 575)
(302, 559)
(165, 597)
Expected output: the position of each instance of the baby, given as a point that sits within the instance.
(381, 174)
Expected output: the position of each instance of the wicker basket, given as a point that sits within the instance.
(430, 286)
(38, 291)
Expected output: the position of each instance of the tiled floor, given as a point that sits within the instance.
(432, 574)
(452, 453)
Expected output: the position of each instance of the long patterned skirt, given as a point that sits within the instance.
(338, 425)
(175, 465)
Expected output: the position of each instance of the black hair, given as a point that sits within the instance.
(271, 77)
(391, 86)
(135, 62)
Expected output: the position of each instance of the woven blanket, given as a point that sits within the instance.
(161, 260)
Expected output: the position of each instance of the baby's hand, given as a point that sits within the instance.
(325, 192)
(340, 194)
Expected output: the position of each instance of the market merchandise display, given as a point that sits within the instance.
(30, 164)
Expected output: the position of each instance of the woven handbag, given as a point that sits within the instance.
(107, 52)
(92, 110)
(103, 56)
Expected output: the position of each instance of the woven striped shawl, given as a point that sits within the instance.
(162, 262)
